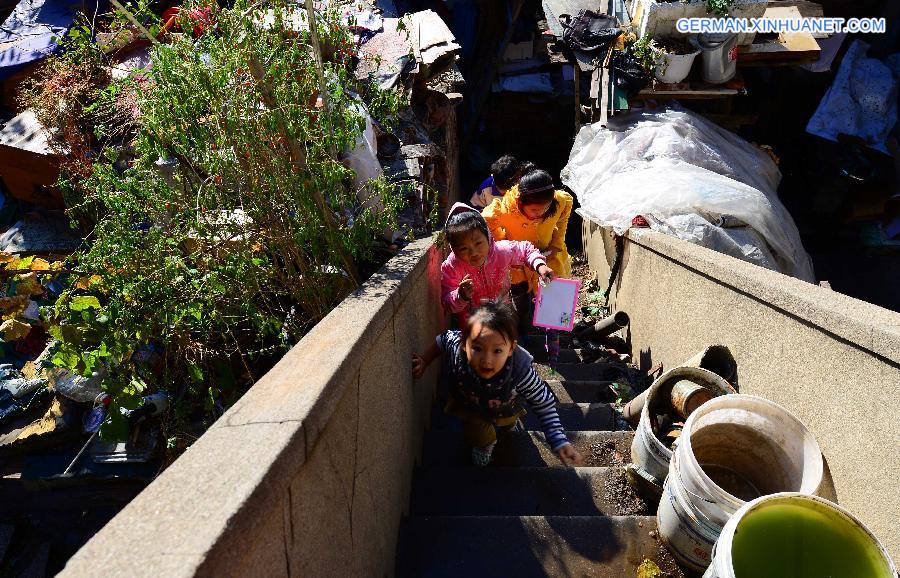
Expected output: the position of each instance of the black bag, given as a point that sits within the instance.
(589, 32)
(628, 72)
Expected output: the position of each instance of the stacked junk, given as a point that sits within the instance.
(742, 486)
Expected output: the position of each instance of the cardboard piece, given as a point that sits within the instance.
(555, 304)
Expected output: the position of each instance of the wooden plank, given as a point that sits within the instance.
(702, 93)
(788, 46)
(30, 177)
(604, 97)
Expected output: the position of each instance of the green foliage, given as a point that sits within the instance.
(645, 53)
(719, 7)
(223, 226)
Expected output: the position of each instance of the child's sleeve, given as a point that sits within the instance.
(558, 240)
(524, 253)
(491, 214)
(441, 340)
(543, 403)
(450, 278)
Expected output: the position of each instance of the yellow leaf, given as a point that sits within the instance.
(40, 265)
(13, 329)
(17, 301)
(29, 285)
(649, 569)
(86, 282)
(6, 257)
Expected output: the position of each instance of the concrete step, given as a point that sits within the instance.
(588, 371)
(574, 416)
(526, 546)
(566, 355)
(579, 416)
(528, 449)
(524, 492)
(581, 391)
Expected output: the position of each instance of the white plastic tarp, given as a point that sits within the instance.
(691, 179)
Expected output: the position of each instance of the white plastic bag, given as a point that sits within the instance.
(691, 179)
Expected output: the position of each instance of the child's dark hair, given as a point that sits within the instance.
(497, 315)
(506, 171)
(463, 222)
(536, 188)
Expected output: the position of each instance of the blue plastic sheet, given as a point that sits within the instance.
(33, 31)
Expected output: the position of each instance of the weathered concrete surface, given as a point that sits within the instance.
(596, 546)
(832, 360)
(528, 449)
(308, 474)
(516, 492)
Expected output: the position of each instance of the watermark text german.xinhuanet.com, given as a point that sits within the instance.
(781, 25)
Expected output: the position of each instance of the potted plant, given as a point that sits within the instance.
(645, 54)
(669, 60)
(674, 58)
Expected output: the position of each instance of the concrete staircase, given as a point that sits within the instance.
(526, 514)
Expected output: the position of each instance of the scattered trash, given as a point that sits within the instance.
(33, 29)
(12, 408)
(75, 387)
(649, 569)
(41, 232)
(688, 396)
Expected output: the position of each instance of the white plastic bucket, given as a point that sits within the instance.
(790, 535)
(647, 451)
(672, 68)
(749, 447)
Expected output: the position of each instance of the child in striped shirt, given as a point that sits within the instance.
(492, 374)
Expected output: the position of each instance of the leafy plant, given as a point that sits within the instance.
(224, 224)
(646, 54)
(720, 8)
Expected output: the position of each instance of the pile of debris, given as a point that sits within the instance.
(61, 424)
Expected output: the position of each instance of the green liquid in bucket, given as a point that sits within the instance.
(795, 541)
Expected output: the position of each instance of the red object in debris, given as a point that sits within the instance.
(639, 221)
(201, 17)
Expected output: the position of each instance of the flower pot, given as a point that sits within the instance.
(672, 68)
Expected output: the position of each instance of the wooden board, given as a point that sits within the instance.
(689, 93)
(799, 46)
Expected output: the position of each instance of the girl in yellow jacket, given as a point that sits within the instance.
(533, 211)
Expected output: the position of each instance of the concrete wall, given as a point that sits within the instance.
(832, 360)
(309, 473)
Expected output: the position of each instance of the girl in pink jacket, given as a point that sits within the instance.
(478, 267)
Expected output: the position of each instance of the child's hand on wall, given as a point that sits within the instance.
(466, 286)
(546, 274)
(418, 365)
(569, 456)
